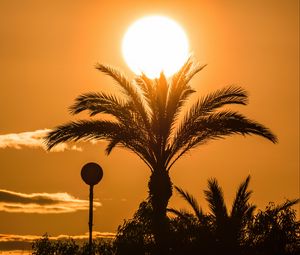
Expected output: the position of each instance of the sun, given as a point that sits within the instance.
(155, 44)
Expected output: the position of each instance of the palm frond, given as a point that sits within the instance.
(175, 105)
(128, 89)
(216, 126)
(206, 105)
(181, 73)
(250, 211)
(192, 202)
(215, 198)
(134, 140)
(213, 101)
(120, 78)
(136, 146)
(98, 103)
(110, 131)
(159, 107)
(219, 98)
(177, 88)
(82, 130)
(225, 123)
(112, 144)
(287, 204)
(196, 69)
(162, 91)
(179, 92)
(182, 214)
(241, 206)
(148, 89)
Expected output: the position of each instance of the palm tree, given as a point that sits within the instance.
(227, 228)
(146, 122)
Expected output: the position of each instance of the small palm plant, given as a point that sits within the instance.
(228, 229)
(146, 122)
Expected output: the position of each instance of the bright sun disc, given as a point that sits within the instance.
(154, 44)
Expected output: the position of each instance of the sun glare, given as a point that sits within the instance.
(154, 44)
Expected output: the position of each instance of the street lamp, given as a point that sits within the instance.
(91, 174)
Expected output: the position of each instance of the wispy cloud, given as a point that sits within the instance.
(43, 203)
(17, 244)
(31, 139)
(30, 238)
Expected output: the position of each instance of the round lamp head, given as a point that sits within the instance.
(91, 173)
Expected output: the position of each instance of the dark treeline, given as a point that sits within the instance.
(240, 229)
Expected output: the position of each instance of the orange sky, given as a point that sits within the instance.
(48, 50)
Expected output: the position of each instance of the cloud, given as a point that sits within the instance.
(96, 235)
(31, 238)
(31, 139)
(10, 243)
(18, 238)
(42, 203)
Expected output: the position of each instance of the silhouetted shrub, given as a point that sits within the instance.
(236, 232)
(45, 246)
(135, 235)
(273, 231)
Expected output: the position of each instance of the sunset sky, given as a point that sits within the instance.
(48, 51)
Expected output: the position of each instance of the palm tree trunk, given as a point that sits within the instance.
(160, 191)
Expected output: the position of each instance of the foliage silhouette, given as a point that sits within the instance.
(135, 236)
(45, 246)
(227, 228)
(146, 121)
(273, 231)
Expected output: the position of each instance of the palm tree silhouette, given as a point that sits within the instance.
(227, 228)
(146, 122)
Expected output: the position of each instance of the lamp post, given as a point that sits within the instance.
(91, 174)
